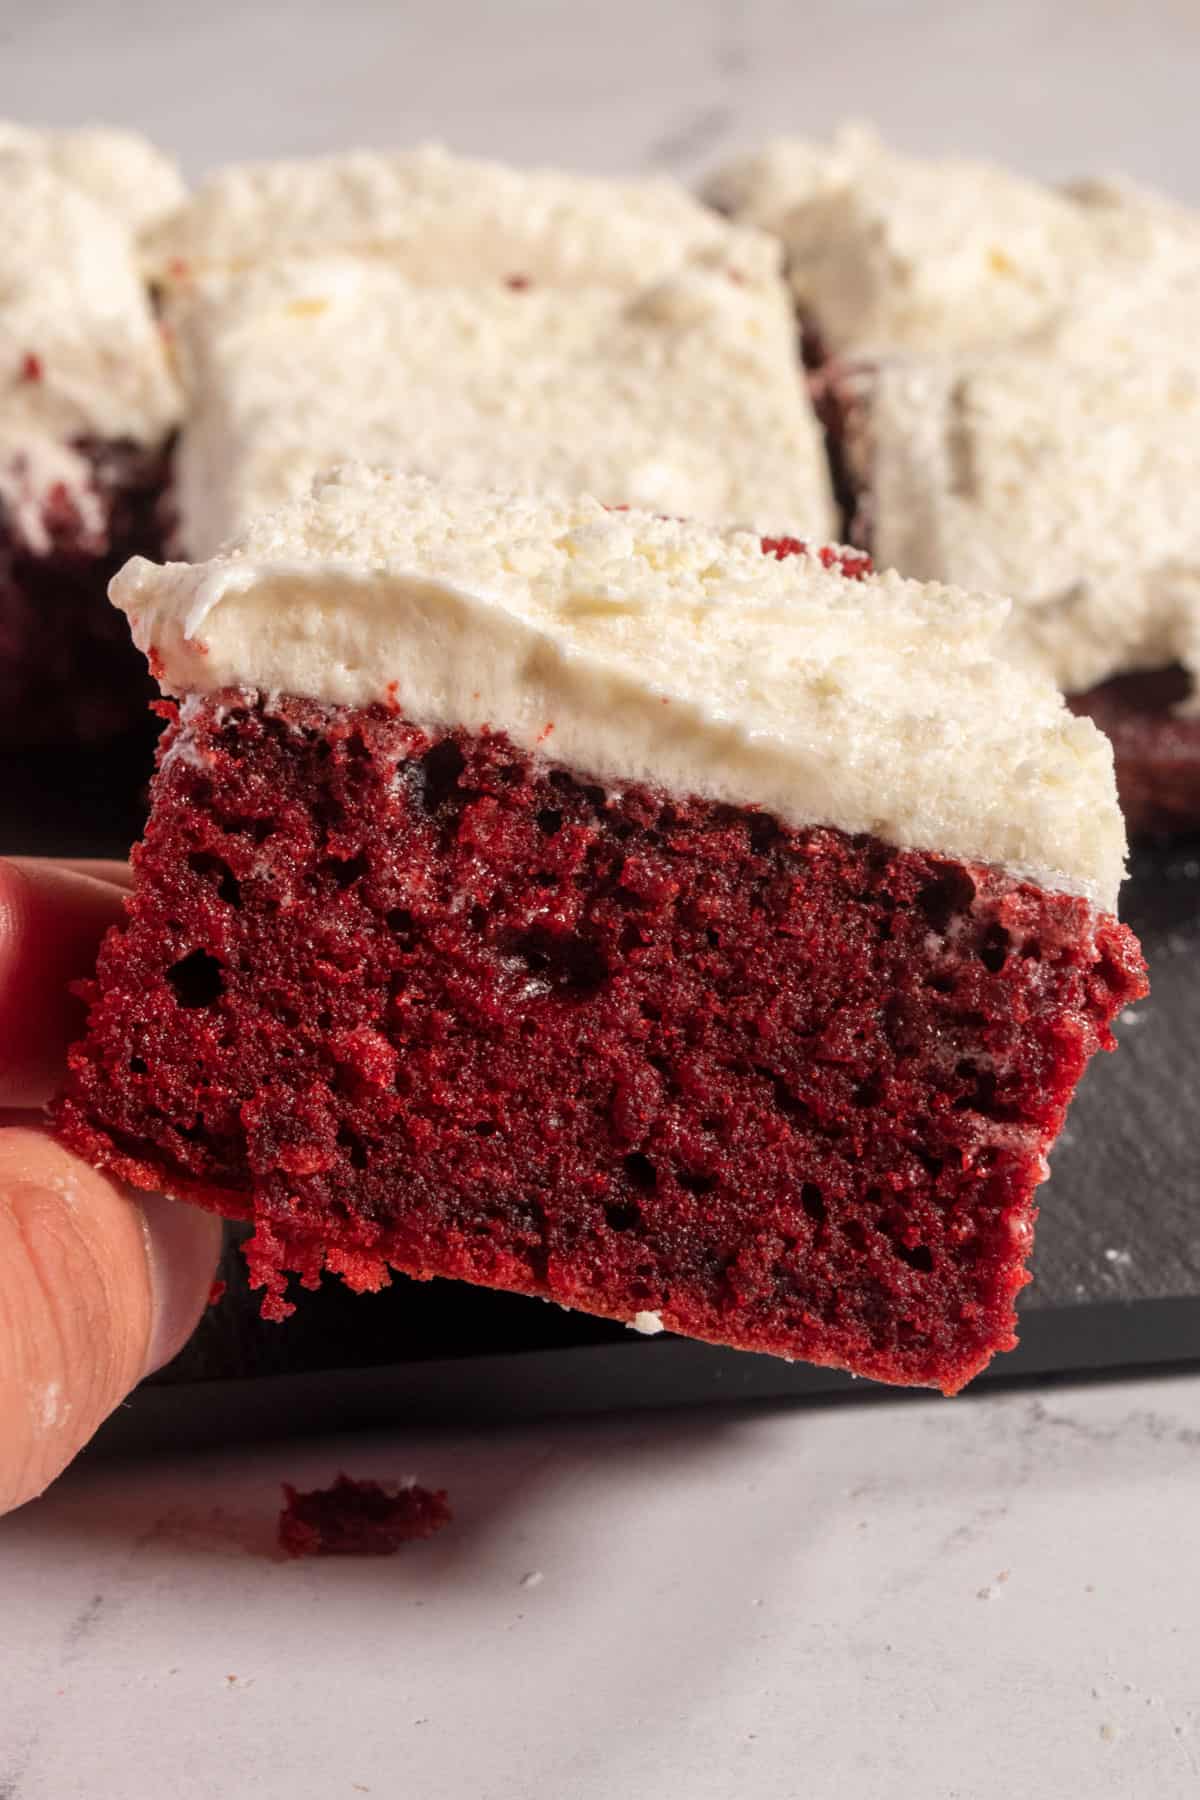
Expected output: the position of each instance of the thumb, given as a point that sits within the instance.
(97, 1288)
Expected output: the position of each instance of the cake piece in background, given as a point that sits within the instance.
(87, 403)
(1064, 478)
(124, 173)
(891, 252)
(685, 396)
(682, 926)
(441, 218)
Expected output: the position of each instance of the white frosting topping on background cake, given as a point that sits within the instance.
(80, 352)
(441, 218)
(1069, 484)
(122, 171)
(886, 251)
(684, 397)
(638, 648)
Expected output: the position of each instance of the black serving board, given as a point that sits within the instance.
(1116, 1265)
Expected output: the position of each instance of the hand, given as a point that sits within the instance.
(98, 1285)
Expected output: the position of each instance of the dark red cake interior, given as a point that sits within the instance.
(68, 671)
(436, 1003)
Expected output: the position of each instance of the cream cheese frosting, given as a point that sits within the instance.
(643, 648)
(123, 172)
(685, 397)
(80, 353)
(1067, 482)
(442, 218)
(892, 252)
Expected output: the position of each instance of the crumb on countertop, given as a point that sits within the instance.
(359, 1518)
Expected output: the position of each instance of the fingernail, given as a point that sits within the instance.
(182, 1247)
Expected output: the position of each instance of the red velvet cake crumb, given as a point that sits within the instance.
(216, 1293)
(359, 1518)
(434, 1003)
(854, 564)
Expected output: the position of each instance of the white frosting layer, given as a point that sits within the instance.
(685, 397)
(122, 171)
(1068, 483)
(886, 251)
(441, 218)
(80, 353)
(641, 648)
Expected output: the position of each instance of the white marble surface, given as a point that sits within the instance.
(1052, 85)
(925, 1600)
(999, 1595)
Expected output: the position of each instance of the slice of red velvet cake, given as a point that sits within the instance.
(675, 924)
(86, 404)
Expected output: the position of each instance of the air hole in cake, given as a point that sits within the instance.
(399, 921)
(549, 820)
(785, 1101)
(345, 871)
(813, 1202)
(982, 1094)
(920, 1257)
(197, 979)
(258, 830)
(563, 958)
(626, 1217)
(440, 770)
(352, 1144)
(763, 832)
(228, 887)
(942, 900)
(641, 1171)
(993, 952)
(692, 1182)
